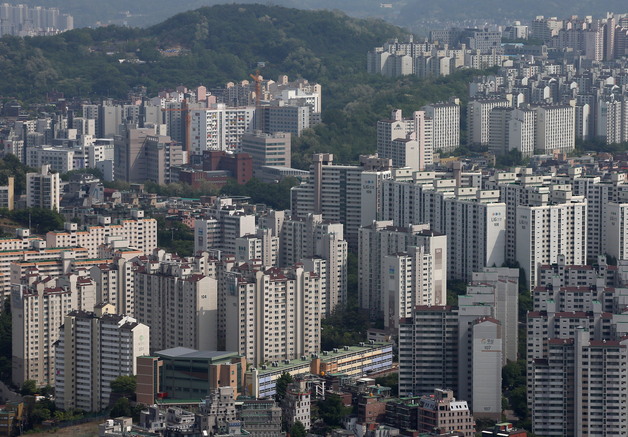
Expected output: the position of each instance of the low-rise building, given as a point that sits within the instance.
(442, 411)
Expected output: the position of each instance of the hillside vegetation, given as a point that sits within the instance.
(144, 13)
(219, 44)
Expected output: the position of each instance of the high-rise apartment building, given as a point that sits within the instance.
(555, 129)
(7, 197)
(217, 128)
(476, 236)
(37, 312)
(222, 225)
(340, 193)
(115, 284)
(93, 349)
(142, 155)
(278, 117)
(273, 315)
(587, 374)
(312, 240)
(408, 142)
(432, 330)
(59, 159)
(453, 347)
(178, 305)
(445, 125)
(382, 239)
(42, 189)
(497, 287)
(545, 232)
(406, 281)
(478, 119)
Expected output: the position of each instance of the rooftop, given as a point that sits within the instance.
(184, 352)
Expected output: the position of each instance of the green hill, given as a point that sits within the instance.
(145, 13)
(220, 43)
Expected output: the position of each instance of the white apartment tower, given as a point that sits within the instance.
(555, 129)
(37, 312)
(93, 350)
(263, 246)
(408, 142)
(478, 119)
(218, 128)
(476, 236)
(179, 306)
(42, 190)
(445, 125)
(223, 224)
(545, 232)
(273, 315)
(382, 239)
(406, 281)
(333, 191)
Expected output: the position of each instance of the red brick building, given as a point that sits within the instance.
(239, 164)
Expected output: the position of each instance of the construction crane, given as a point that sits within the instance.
(258, 87)
(188, 118)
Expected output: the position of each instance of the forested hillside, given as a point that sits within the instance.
(145, 13)
(219, 44)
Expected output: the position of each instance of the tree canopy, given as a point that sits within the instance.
(219, 44)
(29, 387)
(298, 429)
(41, 220)
(124, 384)
(10, 166)
(282, 384)
(332, 410)
(121, 408)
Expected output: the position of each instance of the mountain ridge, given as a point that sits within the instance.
(223, 43)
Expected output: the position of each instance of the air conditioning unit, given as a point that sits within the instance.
(361, 344)
(325, 353)
(264, 367)
(335, 350)
(286, 361)
(346, 348)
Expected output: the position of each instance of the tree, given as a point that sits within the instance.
(519, 402)
(28, 388)
(136, 411)
(298, 430)
(121, 408)
(332, 410)
(47, 391)
(124, 384)
(282, 385)
(39, 415)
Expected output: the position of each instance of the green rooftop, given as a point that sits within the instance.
(179, 401)
(332, 356)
